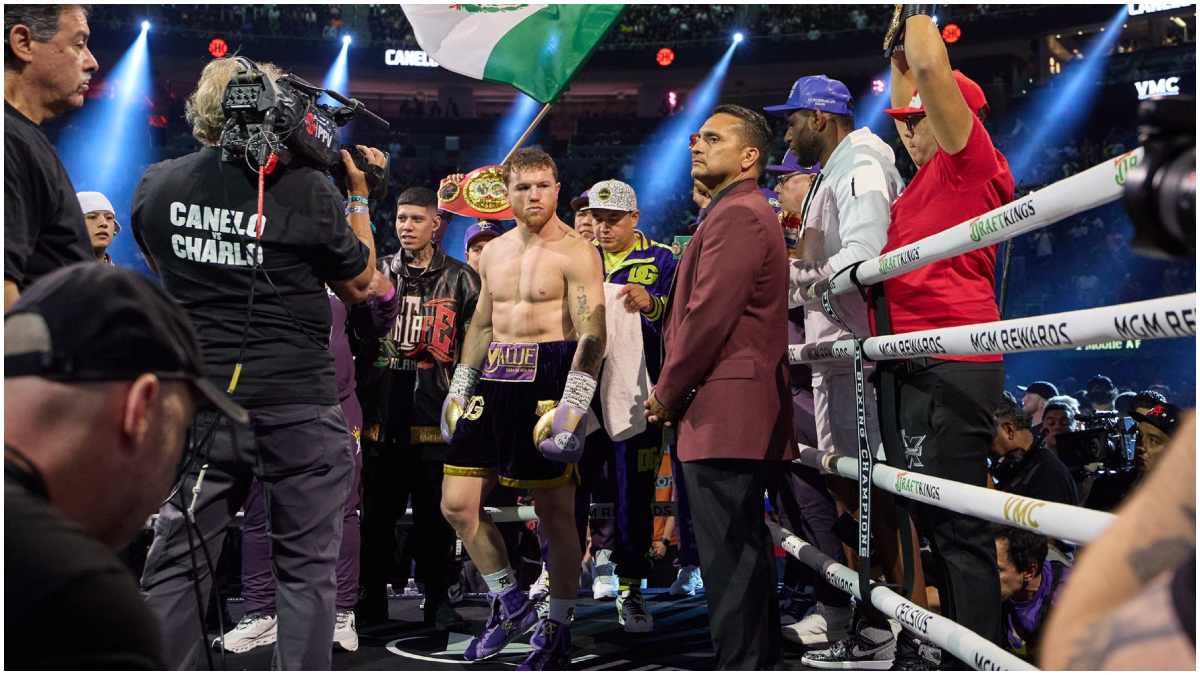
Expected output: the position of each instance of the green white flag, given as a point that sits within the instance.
(535, 48)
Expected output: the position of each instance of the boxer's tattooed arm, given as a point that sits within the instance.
(585, 304)
(590, 327)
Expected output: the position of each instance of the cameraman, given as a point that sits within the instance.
(263, 318)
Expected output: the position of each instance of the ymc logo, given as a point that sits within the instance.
(1122, 165)
(1163, 86)
(1019, 511)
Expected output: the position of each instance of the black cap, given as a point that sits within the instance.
(580, 202)
(1101, 383)
(92, 322)
(1042, 388)
(1165, 416)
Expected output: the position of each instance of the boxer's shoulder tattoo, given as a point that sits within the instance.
(1159, 555)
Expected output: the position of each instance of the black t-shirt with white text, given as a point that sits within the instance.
(43, 223)
(196, 216)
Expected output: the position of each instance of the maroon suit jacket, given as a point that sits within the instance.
(726, 335)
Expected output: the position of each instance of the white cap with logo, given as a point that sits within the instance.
(612, 195)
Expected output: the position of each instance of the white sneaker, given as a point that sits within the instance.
(344, 635)
(687, 581)
(822, 625)
(604, 576)
(632, 614)
(254, 630)
(541, 587)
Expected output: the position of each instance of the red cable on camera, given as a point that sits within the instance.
(272, 160)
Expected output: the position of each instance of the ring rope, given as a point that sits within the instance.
(1070, 196)
(967, 645)
(1074, 524)
(1167, 317)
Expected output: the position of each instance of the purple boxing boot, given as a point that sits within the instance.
(513, 615)
(551, 647)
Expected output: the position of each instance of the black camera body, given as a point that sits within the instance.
(1105, 438)
(1160, 191)
(285, 117)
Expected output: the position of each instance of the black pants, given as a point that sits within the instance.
(737, 556)
(304, 457)
(390, 477)
(629, 469)
(807, 509)
(943, 413)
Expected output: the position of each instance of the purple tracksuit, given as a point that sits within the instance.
(258, 581)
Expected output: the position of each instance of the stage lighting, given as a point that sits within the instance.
(145, 26)
(878, 86)
(218, 48)
(738, 37)
(951, 33)
(346, 40)
(665, 57)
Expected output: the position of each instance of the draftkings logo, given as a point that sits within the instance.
(908, 485)
(1122, 165)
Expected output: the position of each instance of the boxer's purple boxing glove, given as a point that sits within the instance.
(559, 434)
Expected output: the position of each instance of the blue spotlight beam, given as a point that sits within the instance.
(514, 123)
(662, 169)
(1056, 111)
(107, 146)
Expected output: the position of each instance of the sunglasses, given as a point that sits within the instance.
(912, 121)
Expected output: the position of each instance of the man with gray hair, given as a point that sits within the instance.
(47, 66)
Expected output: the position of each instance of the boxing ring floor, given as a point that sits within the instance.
(679, 641)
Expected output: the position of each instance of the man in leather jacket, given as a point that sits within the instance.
(408, 345)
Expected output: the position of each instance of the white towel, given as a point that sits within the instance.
(624, 379)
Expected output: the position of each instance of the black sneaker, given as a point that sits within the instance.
(867, 648)
(913, 653)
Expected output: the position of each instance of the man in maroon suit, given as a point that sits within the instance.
(724, 384)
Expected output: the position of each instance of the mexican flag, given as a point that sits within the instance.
(535, 48)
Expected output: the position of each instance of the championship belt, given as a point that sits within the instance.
(481, 194)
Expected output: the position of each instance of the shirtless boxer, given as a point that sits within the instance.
(516, 411)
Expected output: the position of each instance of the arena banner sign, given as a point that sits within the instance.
(1085, 190)
(535, 48)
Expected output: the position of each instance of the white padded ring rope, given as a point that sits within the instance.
(1059, 521)
(1086, 190)
(970, 647)
(1169, 317)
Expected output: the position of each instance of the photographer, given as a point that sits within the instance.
(1024, 467)
(254, 286)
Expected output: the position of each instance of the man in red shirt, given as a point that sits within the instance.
(940, 410)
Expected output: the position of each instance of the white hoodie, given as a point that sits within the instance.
(848, 215)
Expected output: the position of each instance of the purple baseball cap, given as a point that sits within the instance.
(479, 229)
(580, 202)
(816, 92)
(789, 165)
(772, 198)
